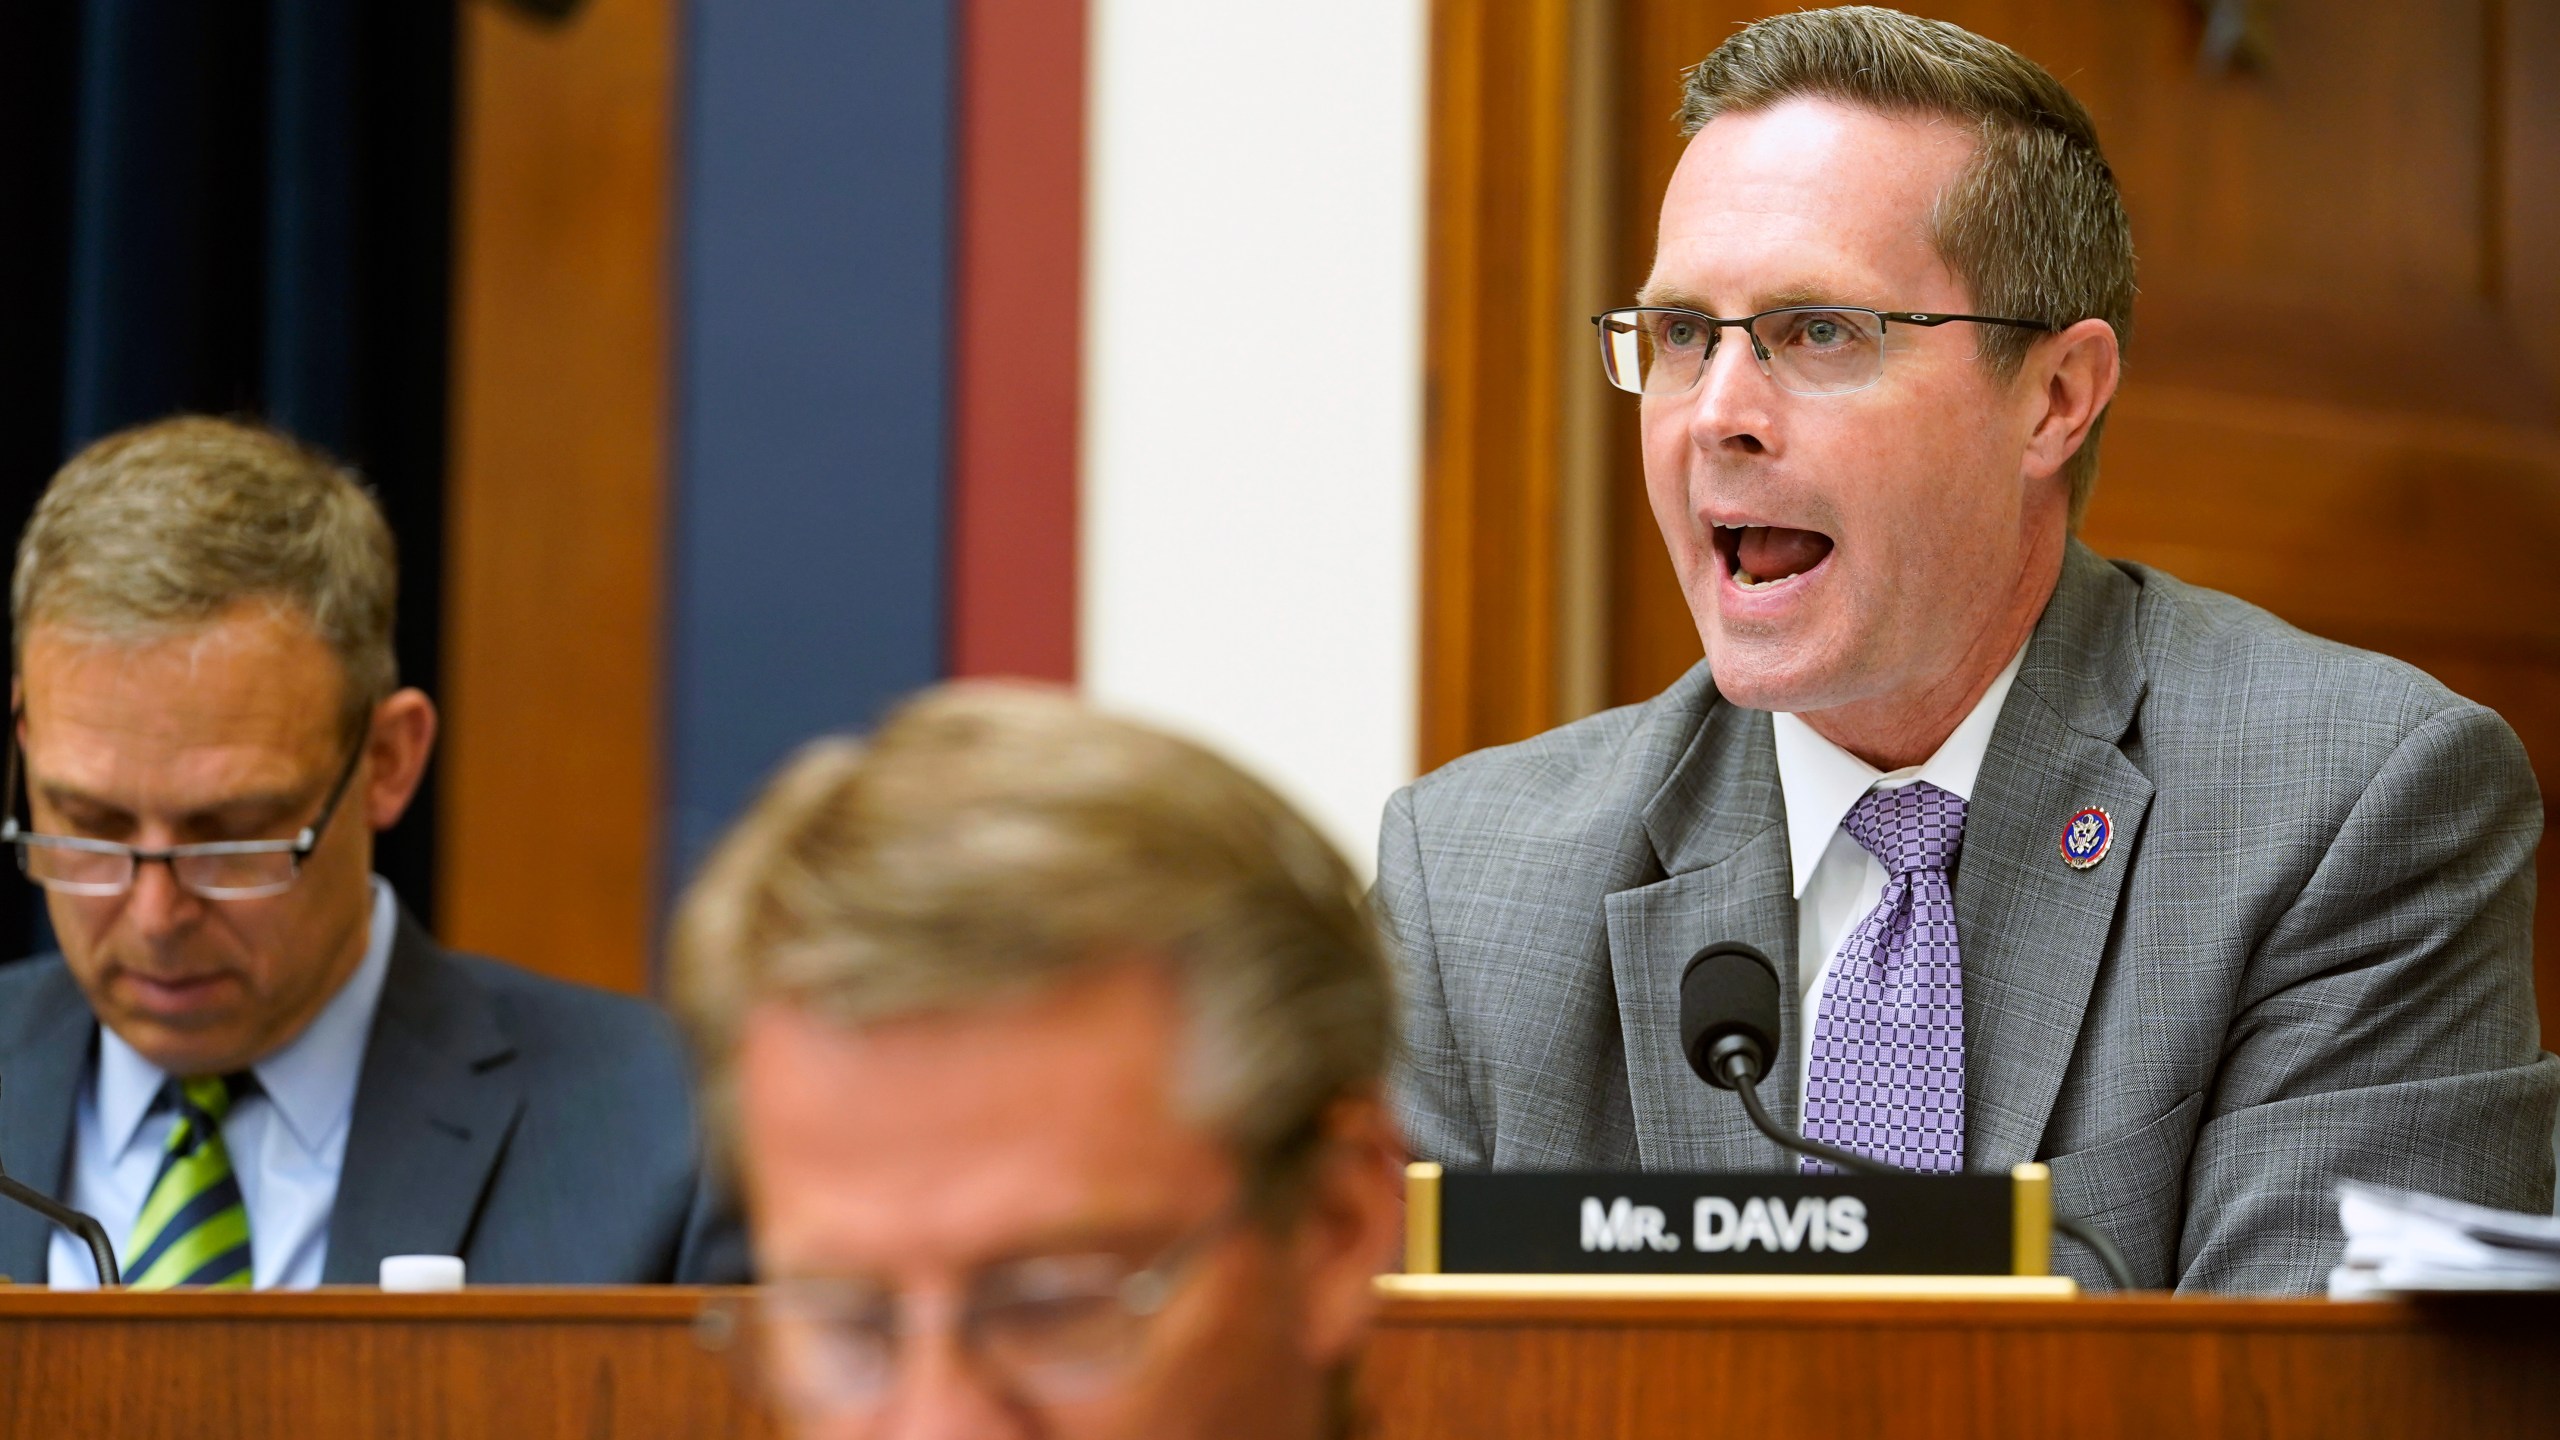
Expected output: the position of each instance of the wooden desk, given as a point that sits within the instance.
(2153, 1368)
(524, 1364)
(534, 1364)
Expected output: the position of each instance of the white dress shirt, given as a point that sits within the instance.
(287, 1142)
(1837, 881)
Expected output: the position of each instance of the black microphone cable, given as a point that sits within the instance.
(2109, 1258)
(1728, 1014)
(2099, 1245)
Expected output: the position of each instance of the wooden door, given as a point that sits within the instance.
(548, 834)
(2342, 400)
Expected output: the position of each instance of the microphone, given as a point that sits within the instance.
(91, 1233)
(1729, 1029)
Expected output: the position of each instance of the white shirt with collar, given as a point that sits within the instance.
(287, 1142)
(1837, 882)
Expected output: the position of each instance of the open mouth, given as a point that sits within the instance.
(1764, 557)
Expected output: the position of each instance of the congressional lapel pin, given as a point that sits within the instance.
(2086, 838)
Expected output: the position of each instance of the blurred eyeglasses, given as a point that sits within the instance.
(1806, 349)
(215, 870)
(1047, 1329)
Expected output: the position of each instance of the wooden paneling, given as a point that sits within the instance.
(2343, 398)
(537, 1364)
(1495, 341)
(522, 1364)
(1652, 640)
(551, 690)
(2343, 395)
(1963, 1370)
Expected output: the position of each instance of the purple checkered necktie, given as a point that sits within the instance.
(1887, 1073)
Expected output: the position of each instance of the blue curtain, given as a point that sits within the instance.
(813, 404)
(243, 207)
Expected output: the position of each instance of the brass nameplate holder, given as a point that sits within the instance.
(1548, 1234)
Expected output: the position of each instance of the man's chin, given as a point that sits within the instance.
(186, 1052)
(1757, 675)
(200, 1034)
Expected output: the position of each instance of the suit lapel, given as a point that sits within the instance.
(2033, 928)
(1718, 825)
(44, 1049)
(434, 1109)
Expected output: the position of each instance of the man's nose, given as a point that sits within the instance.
(1731, 405)
(944, 1393)
(158, 905)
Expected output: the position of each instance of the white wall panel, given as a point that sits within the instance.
(1253, 393)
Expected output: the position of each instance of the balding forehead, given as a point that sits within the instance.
(1807, 202)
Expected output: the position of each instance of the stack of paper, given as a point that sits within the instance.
(2399, 1241)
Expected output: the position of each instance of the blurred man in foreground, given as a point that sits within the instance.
(248, 1062)
(1051, 1048)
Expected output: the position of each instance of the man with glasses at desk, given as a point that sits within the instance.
(2059, 859)
(1051, 1051)
(248, 1062)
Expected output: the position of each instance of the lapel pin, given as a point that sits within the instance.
(2086, 838)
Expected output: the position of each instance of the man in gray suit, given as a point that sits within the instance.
(247, 1061)
(2064, 860)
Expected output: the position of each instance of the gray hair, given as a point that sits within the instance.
(165, 527)
(2034, 227)
(991, 840)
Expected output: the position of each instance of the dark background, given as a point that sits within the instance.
(245, 209)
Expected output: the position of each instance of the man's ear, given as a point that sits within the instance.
(403, 736)
(2073, 375)
(1352, 1227)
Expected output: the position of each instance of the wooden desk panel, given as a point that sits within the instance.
(525, 1364)
(534, 1364)
(2136, 1367)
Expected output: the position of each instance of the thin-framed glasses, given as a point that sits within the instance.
(1047, 1329)
(1806, 349)
(215, 870)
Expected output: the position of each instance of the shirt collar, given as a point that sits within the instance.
(1820, 781)
(127, 1085)
(311, 1082)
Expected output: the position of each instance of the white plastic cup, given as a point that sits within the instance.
(421, 1274)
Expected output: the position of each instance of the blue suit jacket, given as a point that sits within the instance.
(542, 1131)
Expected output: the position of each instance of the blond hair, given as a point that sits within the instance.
(165, 527)
(2034, 227)
(991, 840)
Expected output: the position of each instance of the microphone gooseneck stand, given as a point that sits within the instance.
(90, 1231)
(1728, 1016)
(1745, 1082)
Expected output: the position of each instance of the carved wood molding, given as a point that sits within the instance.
(1512, 529)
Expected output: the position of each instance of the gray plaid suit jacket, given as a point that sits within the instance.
(2308, 955)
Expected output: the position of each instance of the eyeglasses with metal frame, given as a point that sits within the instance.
(215, 870)
(1806, 349)
(1047, 1329)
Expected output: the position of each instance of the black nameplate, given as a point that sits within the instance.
(1552, 1222)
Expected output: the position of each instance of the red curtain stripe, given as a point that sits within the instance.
(1020, 281)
